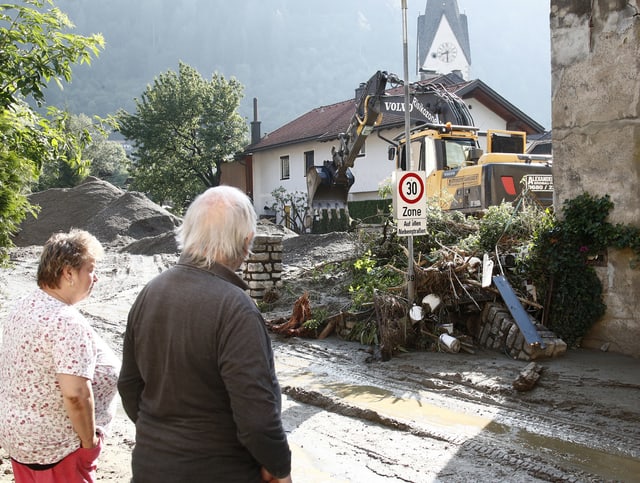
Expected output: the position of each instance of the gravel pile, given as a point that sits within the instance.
(125, 220)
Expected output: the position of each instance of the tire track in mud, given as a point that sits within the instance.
(514, 459)
(514, 425)
(624, 441)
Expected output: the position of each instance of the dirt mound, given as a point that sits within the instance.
(128, 220)
(310, 250)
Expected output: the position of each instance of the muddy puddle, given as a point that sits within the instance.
(548, 446)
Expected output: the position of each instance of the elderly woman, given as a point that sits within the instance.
(57, 396)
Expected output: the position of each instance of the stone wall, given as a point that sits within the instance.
(262, 270)
(596, 138)
(499, 331)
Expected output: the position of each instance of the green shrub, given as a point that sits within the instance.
(369, 276)
(559, 263)
(370, 211)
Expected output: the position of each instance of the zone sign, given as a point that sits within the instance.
(410, 197)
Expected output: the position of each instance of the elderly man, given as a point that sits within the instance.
(198, 375)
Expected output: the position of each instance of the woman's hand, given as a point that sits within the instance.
(89, 445)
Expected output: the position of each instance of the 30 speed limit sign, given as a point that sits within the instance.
(410, 197)
(410, 202)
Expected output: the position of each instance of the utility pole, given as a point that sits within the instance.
(407, 129)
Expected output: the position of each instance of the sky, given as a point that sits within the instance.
(509, 39)
(296, 55)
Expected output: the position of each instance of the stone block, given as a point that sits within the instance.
(512, 335)
(255, 267)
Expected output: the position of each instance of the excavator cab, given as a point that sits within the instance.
(433, 150)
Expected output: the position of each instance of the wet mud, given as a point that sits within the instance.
(419, 417)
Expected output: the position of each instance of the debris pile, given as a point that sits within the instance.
(458, 312)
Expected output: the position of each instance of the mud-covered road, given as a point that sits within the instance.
(420, 417)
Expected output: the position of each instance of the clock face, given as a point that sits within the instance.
(447, 52)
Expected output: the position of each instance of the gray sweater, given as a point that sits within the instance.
(198, 379)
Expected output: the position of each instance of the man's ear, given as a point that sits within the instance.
(248, 241)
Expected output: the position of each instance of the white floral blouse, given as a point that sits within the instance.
(42, 337)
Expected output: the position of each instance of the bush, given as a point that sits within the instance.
(559, 263)
(370, 211)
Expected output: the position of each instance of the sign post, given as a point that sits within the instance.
(410, 212)
(407, 129)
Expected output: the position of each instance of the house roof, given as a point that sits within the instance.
(321, 123)
(327, 122)
(429, 22)
(515, 119)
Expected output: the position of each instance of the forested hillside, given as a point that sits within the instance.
(292, 55)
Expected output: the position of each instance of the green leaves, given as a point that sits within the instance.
(369, 276)
(559, 262)
(34, 48)
(184, 129)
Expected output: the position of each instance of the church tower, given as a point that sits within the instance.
(443, 40)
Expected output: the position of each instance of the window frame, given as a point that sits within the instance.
(285, 167)
(309, 161)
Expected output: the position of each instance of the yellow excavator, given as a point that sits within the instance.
(444, 144)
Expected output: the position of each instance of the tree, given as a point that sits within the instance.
(108, 160)
(184, 129)
(100, 157)
(59, 173)
(35, 48)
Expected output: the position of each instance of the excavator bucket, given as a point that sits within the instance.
(325, 191)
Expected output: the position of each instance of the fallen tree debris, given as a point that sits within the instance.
(393, 323)
(294, 327)
(448, 299)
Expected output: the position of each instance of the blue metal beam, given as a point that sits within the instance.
(520, 315)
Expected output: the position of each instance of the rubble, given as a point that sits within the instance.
(528, 378)
(457, 314)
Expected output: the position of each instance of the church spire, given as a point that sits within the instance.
(443, 40)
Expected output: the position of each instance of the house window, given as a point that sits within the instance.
(284, 167)
(308, 161)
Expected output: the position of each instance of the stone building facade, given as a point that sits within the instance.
(596, 139)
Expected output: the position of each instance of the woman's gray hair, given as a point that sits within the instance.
(217, 226)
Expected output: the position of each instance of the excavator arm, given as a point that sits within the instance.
(429, 104)
(328, 185)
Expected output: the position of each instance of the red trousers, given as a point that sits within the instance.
(78, 467)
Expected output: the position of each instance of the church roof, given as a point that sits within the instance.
(429, 22)
(325, 123)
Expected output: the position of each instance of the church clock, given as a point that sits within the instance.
(447, 52)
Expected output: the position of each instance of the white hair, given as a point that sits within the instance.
(218, 227)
